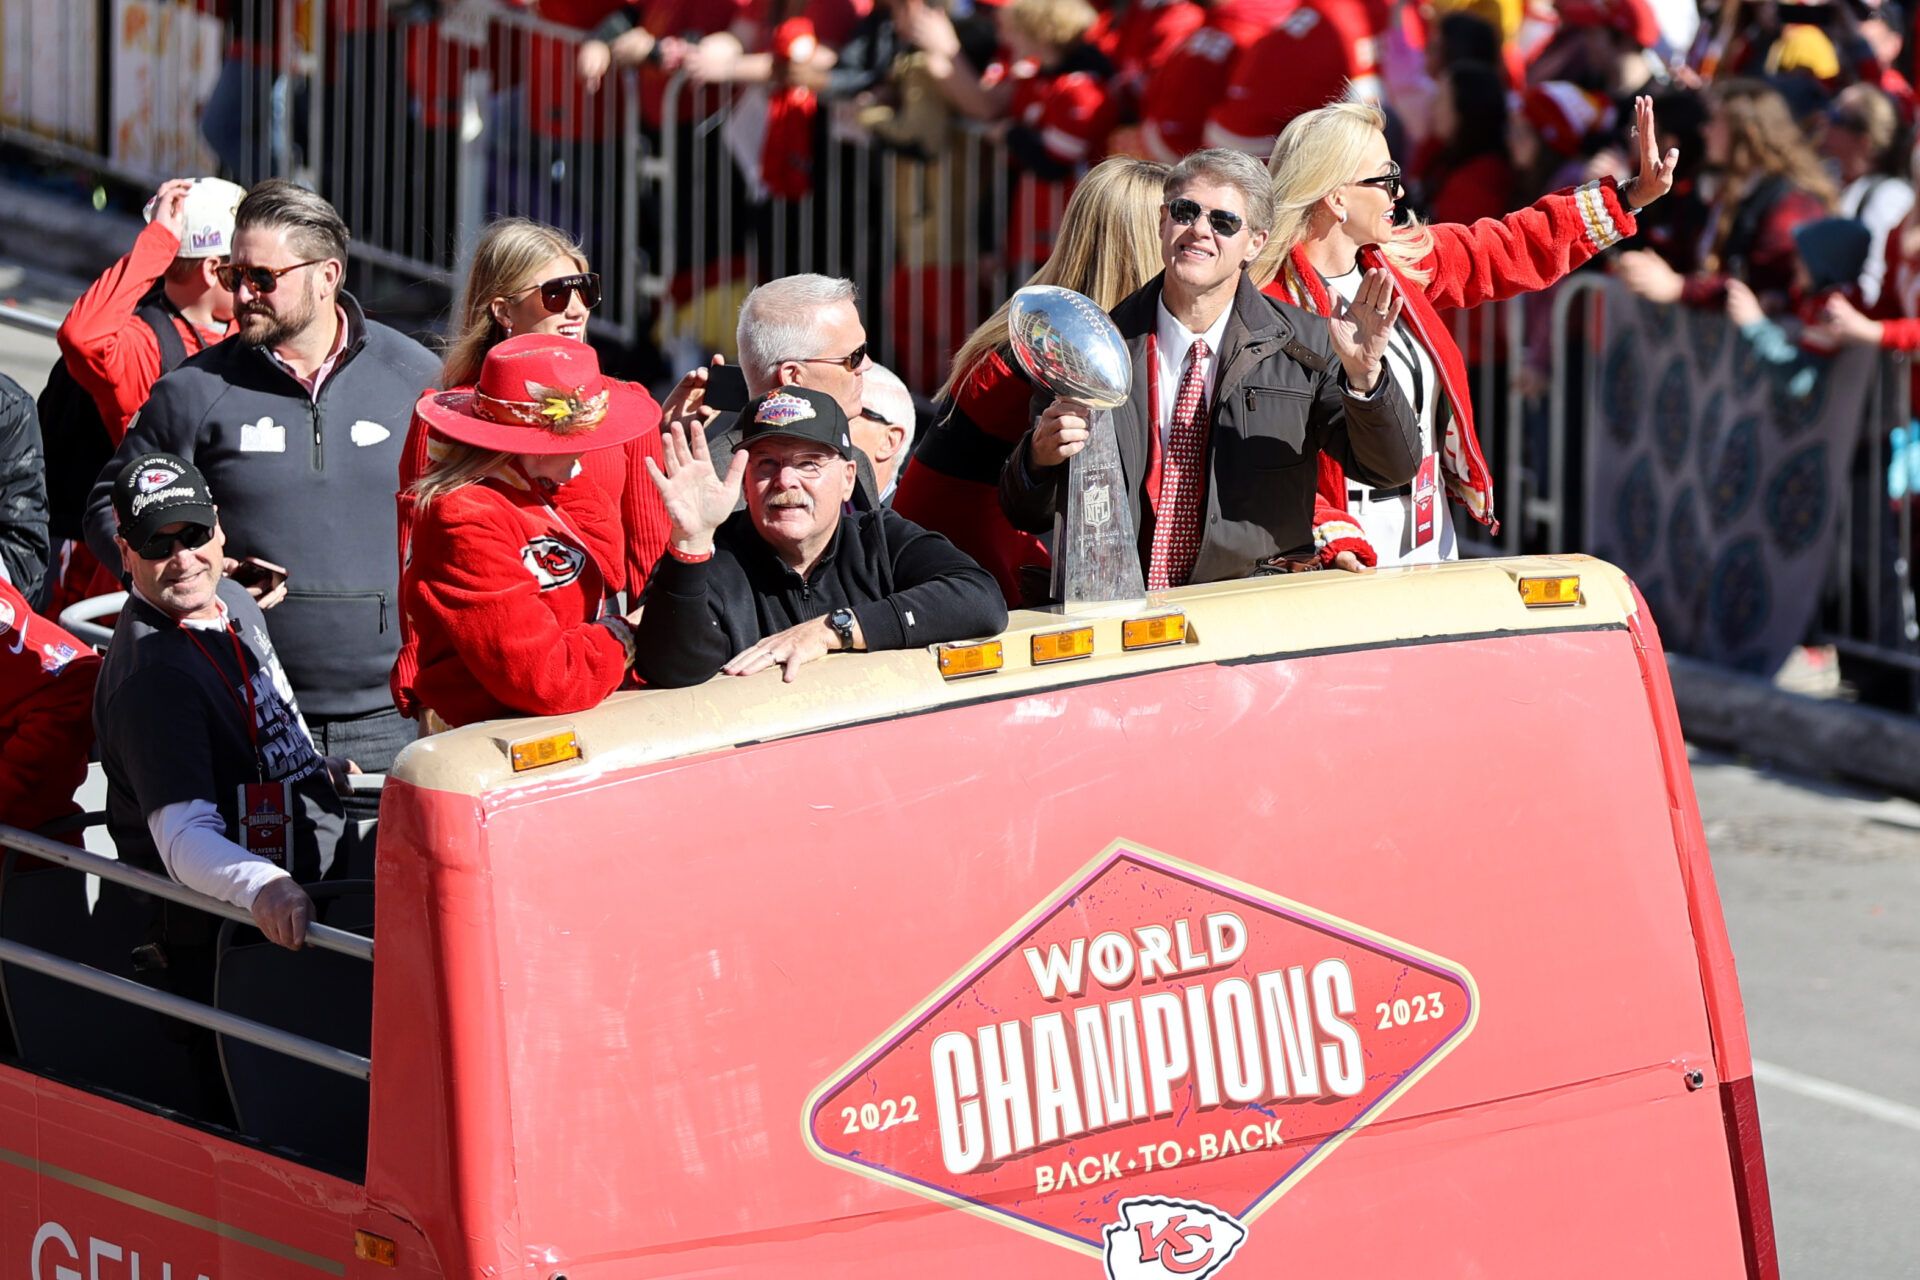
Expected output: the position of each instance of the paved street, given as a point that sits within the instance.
(1821, 888)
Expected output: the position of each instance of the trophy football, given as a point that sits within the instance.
(1067, 345)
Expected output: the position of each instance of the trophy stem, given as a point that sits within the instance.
(1099, 559)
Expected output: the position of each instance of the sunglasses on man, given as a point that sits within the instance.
(851, 362)
(1391, 182)
(160, 546)
(555, 292)
(259, 279)
(1225, 222)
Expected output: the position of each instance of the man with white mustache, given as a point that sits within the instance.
(795, 575)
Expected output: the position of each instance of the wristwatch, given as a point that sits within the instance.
(841, 621)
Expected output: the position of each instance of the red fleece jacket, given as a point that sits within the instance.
(501, 594)
(46, 714)
(620, 474)
(1493, 259)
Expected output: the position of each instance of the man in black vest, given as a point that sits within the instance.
(297, 421)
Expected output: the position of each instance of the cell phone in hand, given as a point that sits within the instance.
(726, 388)
(260, 576)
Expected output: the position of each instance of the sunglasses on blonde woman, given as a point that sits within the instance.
(555, 292)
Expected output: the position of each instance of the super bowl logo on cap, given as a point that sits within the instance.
(154, 478)
(780, 409)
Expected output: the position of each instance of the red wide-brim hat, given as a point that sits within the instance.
(539, 393)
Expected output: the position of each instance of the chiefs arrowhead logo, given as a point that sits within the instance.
(154, 478)
(1154, 1035)
(1156, 1238)
(552, 562)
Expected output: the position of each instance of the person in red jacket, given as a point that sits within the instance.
(46, 721)
(515, 551)
(1108, 246)
(1324, 51)
(1335, 190)
(530, 278)
(1184, 88)
(114, 354)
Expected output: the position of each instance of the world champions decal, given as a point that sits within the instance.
(1144, 1064)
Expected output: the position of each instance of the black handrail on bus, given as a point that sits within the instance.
(118, 988)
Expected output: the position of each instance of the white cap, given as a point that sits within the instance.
(210, 207)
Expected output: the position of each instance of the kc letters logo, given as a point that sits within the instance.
(1144, 1064)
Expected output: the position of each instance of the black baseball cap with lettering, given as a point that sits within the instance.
(798, 413)
(156, 490)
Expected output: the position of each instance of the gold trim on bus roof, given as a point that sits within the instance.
(1252, 617)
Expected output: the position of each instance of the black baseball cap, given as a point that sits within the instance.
(159, 489)
(799, 413)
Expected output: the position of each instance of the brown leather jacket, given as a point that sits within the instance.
(1279, 401)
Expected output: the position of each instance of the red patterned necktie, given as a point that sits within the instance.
(1183, 477)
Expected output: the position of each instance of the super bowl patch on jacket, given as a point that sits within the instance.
(552, 562)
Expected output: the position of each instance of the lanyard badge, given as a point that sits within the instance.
(265, 810)
(1426, 493)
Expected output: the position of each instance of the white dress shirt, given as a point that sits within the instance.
(1171, 340)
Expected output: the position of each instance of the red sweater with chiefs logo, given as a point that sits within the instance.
(502, 590)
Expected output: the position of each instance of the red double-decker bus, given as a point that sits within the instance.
(1302, 926)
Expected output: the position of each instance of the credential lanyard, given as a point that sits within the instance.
(249, 708)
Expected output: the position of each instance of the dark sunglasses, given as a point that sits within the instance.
(555, 292)
(160, 546)
(1224, 222)
(851, 362)
(1391, 182)
(259, 279)
(1851, 123)
(872, 415)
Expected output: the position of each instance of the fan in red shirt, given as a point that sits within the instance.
(1323, 51)
(515, 551)
(1185, 88)
(1137, 36)
(1061, 113)
(114, 354)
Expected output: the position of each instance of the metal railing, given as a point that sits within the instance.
(929, 220)
(125, 989)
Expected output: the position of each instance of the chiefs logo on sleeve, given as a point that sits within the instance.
(552, 562)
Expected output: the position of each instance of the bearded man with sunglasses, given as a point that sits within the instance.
(1234, 396)
(212, 776)
(298, 421)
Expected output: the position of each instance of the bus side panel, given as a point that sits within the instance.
(1725, 1012)
(697, 947)
(90, 1183)
(436, 1004)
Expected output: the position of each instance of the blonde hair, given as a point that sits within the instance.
(509, 253)
(1762, 139)
(454, 465)
(1316, 155)
(1108, 245)
(1054, 23)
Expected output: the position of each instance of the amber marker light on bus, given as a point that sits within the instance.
(548, 748)
(1151, 633)
(369, 1247)
(1550, 593)
(976, 659)
(1063, 646)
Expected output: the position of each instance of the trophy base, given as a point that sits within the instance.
(1096, 554)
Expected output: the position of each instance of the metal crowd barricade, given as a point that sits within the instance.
(125, 989)
(920, 224)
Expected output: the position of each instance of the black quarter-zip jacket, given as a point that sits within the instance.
(303, 482)
(907, 586)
